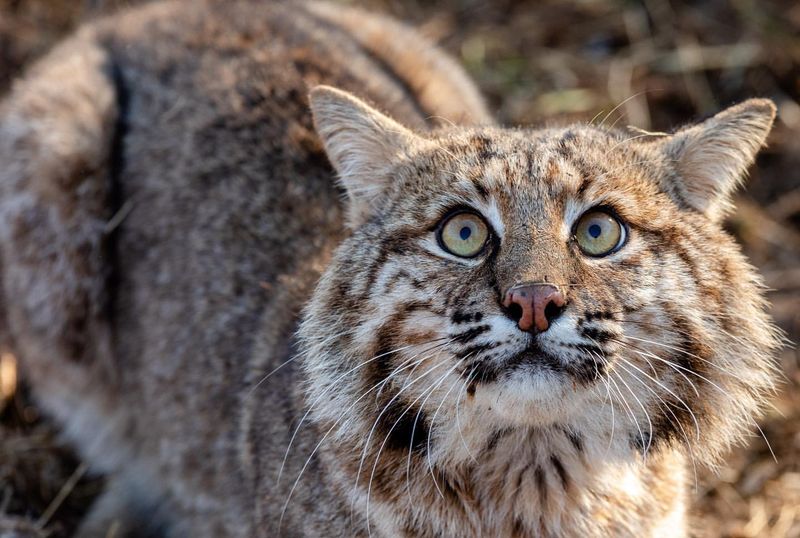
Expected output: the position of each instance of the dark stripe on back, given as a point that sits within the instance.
(382, 64)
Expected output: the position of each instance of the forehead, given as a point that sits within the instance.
(540, 171)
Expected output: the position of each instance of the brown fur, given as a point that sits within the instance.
(168, 209)
(130, 261)
(661, 356)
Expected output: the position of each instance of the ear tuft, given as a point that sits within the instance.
(361, 143)
(712, 157)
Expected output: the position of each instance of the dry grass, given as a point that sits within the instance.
(663, 62)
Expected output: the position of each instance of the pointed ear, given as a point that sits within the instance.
(361, 143)
(712, 157)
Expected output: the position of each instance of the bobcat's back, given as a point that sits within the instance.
(166, 207)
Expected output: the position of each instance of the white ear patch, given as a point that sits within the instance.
(361, 143)
(712, 157)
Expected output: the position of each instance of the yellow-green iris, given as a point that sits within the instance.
(464, 234)
(598, 233)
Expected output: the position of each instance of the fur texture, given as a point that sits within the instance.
(250, 348)
(430, 397)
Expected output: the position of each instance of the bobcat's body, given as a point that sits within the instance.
(166, 211)
(192, 126)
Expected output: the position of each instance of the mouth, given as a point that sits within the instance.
(531, 360)
(533, 387)
(535, 361)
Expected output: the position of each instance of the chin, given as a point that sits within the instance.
(533, 396)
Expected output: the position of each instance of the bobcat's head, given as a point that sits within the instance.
(574, 282)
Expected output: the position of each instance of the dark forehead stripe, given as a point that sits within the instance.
(566, 151)
(565, 148)
(483, 147)
(475, 152)
(553, 172)
(482, 191)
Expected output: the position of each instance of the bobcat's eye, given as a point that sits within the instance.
(463, 234)
(599, 233)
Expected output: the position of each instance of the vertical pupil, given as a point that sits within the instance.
(595, 230)
(465, 233)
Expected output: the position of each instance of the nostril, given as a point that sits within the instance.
(514, 312)
(552, 311)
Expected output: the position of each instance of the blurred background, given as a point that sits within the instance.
(654, 64)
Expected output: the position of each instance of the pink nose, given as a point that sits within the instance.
(532, 306)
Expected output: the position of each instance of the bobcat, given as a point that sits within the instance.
(475, 331)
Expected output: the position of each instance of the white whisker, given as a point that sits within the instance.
(383, 444)
(332, 385)
(325, 436)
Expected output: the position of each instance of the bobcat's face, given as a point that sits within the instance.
(509, 271)
(555, 279)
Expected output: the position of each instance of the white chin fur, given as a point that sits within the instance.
(532, 398)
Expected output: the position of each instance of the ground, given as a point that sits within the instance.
(654, 64)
